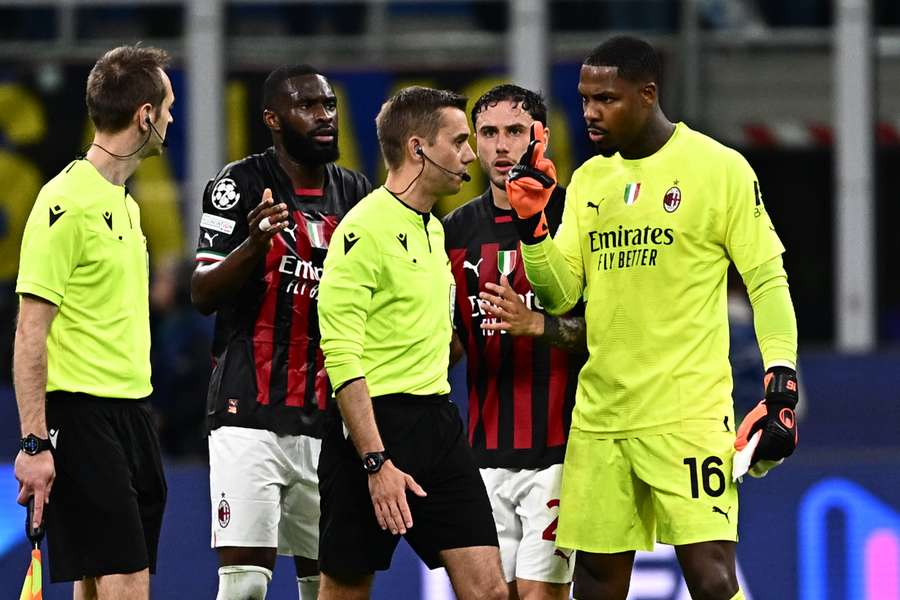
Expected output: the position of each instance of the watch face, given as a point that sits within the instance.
(372, 462)
(30, 445)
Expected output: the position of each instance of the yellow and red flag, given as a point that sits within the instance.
(31, 589)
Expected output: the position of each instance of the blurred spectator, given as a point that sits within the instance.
(181, 363)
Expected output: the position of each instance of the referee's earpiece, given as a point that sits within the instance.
(419, 151)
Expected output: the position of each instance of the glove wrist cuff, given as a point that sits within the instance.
(781, 387)
(532, 230)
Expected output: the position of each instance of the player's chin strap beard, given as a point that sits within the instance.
(414, 179)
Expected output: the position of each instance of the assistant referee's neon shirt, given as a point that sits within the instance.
(385, 299)
(84, 251)
(648, 242)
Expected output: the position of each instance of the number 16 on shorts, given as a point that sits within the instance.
(710, 476)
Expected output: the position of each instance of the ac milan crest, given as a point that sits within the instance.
(232, 406)
(672, 199)
(224, 513)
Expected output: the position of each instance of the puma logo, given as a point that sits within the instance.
(210, 238)
(473, 268)
(724, 513)
(292, 231)
(563, 555)
(596, 207)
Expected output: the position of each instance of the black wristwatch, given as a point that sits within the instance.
(32, 444)
(373, 461)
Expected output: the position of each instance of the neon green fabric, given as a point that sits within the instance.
(773, 313)
(386, 298)
(648, 242)
(83, 250)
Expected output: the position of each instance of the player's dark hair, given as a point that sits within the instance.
(121, 81)
(412, 111)
(530, 102)
(272, 87)
(635, 59)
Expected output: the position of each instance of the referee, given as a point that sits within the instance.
(82, 349)
(399, 462)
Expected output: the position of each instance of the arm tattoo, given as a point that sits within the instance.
(568, 333)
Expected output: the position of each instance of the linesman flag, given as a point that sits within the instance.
(32, 587)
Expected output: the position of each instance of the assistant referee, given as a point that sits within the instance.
(385, 313)
(82, 349)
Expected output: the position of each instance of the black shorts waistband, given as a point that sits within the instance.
(63, 396)
(413, 399)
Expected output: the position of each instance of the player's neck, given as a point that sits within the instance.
(302, 176)
(407, 184)
(501, 199)
(113, 169)
(657, 132)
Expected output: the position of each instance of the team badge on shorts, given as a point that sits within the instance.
(224, 513)
(232, 406)
(225, 194)
(672, 199)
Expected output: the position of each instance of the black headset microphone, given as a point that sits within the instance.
(461, 174)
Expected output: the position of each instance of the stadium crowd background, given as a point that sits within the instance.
(761, 75)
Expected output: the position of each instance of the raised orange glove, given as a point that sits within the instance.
(529, 186)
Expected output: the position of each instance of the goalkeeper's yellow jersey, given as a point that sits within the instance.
(648, 243)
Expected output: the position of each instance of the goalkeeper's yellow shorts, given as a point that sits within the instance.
(620, 495)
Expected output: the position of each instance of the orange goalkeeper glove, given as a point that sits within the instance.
(529, 186)
(774, 416)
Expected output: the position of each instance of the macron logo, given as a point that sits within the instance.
(52, 434)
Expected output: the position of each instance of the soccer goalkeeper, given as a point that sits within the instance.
(648, 232)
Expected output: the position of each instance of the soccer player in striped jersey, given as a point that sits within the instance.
(266, 225)
(649, 230)
(522, 363)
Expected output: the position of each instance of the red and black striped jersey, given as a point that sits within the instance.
(268, 369)
(521, 389)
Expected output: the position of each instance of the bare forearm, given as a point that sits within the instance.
(568, 333)
(211, 284)
(30, 369)
(355, 405)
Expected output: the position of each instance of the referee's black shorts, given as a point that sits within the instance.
(425, 438)
(107, 501)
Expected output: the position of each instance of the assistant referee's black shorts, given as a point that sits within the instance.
(106, 504)
(425, 438)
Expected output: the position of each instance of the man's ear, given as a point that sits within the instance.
(649, 93)
(271, 119)
(143, 115)
(414, 149)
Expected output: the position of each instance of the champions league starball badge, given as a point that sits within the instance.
(672, 199)
(225, 194)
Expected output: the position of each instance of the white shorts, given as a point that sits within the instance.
(264, 490)
(526, 506)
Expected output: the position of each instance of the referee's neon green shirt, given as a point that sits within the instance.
(83, 250)
(385, 299)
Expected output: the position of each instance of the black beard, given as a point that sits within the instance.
(306, 150)
(604, 152)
